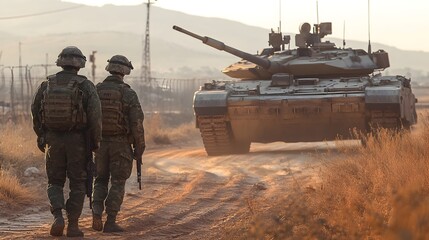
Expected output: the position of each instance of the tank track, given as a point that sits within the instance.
(217, 136)
(384, 119)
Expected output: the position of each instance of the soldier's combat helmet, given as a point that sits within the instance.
(119, 64)
(71, 56)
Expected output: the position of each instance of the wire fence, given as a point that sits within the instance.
(167, 96)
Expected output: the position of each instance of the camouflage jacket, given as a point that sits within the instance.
(135, 114)
(91, 104)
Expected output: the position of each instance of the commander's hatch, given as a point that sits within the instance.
(307, 81)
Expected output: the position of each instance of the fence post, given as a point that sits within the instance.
(12, 96)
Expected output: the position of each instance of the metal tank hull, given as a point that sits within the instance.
(233, 115)
(315, 92)
(296, 119)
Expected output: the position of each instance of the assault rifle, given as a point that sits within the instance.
(90, 169)
(139, 171)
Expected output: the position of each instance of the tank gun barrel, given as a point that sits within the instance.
(222, 47)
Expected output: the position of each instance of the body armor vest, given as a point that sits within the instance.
(114, 111)
(62, 105)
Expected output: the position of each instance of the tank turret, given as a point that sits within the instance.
(312, 58)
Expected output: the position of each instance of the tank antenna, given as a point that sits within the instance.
(317, 11)
(280, 16)
(369, 28)
(344, 34)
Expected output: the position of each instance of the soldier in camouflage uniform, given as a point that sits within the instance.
(67, 120)
(123, 140)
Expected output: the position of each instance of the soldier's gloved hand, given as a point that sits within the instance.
(41, 143)
(95, 146)
(138, 152)
(136, 155)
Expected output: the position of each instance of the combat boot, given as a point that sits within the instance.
(58, 225)
(73, 229)
(97, 223)
(111, 226)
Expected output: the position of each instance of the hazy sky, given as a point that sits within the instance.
(403, 24)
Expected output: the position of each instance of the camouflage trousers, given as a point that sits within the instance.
(114, 161)
(65, 157)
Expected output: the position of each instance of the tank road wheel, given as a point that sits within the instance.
(217, 136)
(384, 119)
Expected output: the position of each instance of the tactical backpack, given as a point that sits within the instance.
(113, 109)
(62, 105)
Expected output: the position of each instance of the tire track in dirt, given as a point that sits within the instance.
(187, 195)
(198, 207)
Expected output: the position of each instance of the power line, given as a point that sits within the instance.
(41, 13)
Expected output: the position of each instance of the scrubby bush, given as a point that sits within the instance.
(380, 191)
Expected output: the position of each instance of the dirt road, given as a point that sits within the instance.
(187, 195)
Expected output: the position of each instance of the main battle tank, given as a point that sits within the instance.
(315, 92)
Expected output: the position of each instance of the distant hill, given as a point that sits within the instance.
(118, 30)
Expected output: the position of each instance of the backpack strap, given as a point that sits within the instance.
(81, 116)
(125, 108)
(80, 78)
(52, 80)
(51, 76)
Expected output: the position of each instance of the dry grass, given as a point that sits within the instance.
(157, 132)
(12, 193)
(18, 151)
(18, 147)
(377, 192)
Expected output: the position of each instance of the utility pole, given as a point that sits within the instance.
(93, 66)
(145, 68)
